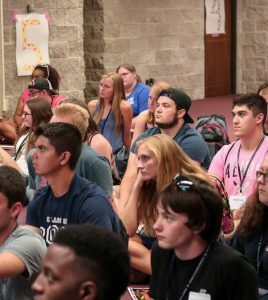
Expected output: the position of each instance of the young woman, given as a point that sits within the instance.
(159, 159)
(145, 119)
(111, 112)
(136, 92)
(44, 71)
(251, 235)
(36, 111)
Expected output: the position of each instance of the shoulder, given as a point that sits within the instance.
(25, 240)
(92, 104)
(142, 87)
(125, 105)
(149, 132)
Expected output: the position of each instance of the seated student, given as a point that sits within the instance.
(21, 250)
(187, 261)
(84, 263)
(146, 118)
(67, 198)
(44, 71)
(251, 236)
(36, 111)
(90, 165)
(136, 92)
(159, 158)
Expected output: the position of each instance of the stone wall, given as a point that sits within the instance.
(252, 45)
(65, 46)
(162, 39)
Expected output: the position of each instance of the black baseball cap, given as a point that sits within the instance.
(182, 99)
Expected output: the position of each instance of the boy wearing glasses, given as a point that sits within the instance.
(188, 262)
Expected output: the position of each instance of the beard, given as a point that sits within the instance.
(170, 124)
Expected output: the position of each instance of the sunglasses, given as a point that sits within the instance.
(183, 183)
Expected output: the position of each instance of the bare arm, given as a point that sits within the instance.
(126, 112)
(102, 146)
(18, 111)
(92, 105)
(140, 125)
(127, 181)
(10, 265)
(7, 160)
(129, 214)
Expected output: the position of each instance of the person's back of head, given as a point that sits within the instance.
(256, 103)
(40, 110)
(75, 114)
(101, 258)
(12, 185)
(199, 201)
(63, 137)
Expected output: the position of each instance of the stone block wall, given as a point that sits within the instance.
(162, 39)
(252, 45)
(65, 46)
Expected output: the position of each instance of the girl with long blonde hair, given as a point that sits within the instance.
(159, 159)
(111, 112)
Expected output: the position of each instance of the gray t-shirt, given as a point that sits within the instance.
(30, 247)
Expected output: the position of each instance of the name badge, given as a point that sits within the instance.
(199, 296)
(237, 201)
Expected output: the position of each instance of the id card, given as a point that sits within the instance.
(237, 201)
(199, 296)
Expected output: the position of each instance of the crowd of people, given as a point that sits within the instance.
(73, 227)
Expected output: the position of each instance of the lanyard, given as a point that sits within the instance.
(104, 123)
(258, 254)
(204, 256)
(242, 179)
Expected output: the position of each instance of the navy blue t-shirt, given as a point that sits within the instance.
(84, 202)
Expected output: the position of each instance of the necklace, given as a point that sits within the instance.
(190, 281)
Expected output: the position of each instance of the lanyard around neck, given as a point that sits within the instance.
(242, 178)
(185, 290)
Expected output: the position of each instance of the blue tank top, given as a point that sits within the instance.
(106, 128)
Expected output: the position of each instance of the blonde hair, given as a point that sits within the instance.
(171, 160)
(118, 96)
(158, 87)
(78, 115)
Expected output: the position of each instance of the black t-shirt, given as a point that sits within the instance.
(225, 275)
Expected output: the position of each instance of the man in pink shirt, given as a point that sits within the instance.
(236, 164)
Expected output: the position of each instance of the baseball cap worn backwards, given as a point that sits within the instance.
(41, 83)
(182, 99)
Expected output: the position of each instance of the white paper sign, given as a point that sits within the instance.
(215, 17)
(32, 42)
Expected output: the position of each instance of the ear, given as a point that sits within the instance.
(181, 113)
(87, 291)
(65, 157)
(259, 118)
(15, 209)
(198, 228)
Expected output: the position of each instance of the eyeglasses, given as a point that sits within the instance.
(25, 113)
(182, 182)
(33, 92)
(264, 176)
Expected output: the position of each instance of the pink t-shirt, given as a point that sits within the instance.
(228, 171)
(56, 99)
